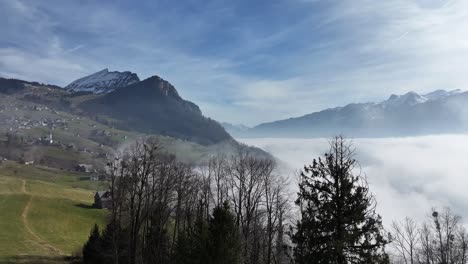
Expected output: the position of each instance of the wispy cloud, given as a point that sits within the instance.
(77, 47)
(275, 60)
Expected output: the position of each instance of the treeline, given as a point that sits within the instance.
(237, 210)
(232, 210)
(440, 240)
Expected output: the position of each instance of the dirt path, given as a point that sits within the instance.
(23, 187)
(36, 238)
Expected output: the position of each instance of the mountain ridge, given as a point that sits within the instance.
(399, 115)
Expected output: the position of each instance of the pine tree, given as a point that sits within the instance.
(157, 246)
(224, 237)
(200, 240)
(183, 249)
(113, 251)
(107, 245)
(92, 248)
(338, 222)
(192, 243)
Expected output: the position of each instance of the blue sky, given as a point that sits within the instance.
(245, 61)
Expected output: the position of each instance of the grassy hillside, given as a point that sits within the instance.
(45, 215)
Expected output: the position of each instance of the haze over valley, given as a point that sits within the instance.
(402, 185)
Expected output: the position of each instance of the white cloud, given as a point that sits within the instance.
(362, 51)
(408, 176)
(339, 52)
(32, 67)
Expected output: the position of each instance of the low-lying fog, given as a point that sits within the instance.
(407, 175)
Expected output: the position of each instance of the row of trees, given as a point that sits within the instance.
(235, 210)
(230, 211)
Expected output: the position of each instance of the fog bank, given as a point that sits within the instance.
(407, 175)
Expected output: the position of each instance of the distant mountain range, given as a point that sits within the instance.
(153, 106)
(409, 114)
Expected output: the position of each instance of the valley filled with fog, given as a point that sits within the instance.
(408, 175)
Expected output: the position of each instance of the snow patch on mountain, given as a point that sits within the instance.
(408, 99)
(440, 94)
(412, 98)
(103, 81)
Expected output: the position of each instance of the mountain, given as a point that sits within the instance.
(151, 106)
(409, 114)
(154, 106)
(103, 82)
(59, 128)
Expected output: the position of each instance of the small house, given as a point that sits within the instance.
(84, 168)
(97, 177)
(103, 199)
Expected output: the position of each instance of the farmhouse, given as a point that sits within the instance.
(84, 168)
(103, 199)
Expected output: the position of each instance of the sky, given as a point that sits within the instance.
(408, 176)
(245, 61)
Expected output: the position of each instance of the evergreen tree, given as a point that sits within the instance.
(92, 248)
(157, 247)
(192, 243)
(223, 236)
(338, 222)
(199, 241)
(107, 246)
(113, 251)
(183, 249)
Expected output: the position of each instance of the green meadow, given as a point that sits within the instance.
(45, 214)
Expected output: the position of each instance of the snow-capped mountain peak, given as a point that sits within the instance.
(439, 94)
(408, 99)
(412, 98)
(103, 81)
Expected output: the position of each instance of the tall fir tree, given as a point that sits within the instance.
(215, 241)
(192, 244)
(200, 240)
(338, 222)
(224, 243)
(92, 249)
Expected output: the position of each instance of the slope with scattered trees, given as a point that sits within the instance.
(229, 211)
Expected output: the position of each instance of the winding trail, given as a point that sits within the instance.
(24, 218)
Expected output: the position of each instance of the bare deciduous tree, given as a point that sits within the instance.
(443, 240)
(405, 238)
(161, 207)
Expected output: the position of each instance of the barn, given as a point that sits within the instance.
(103, 199)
